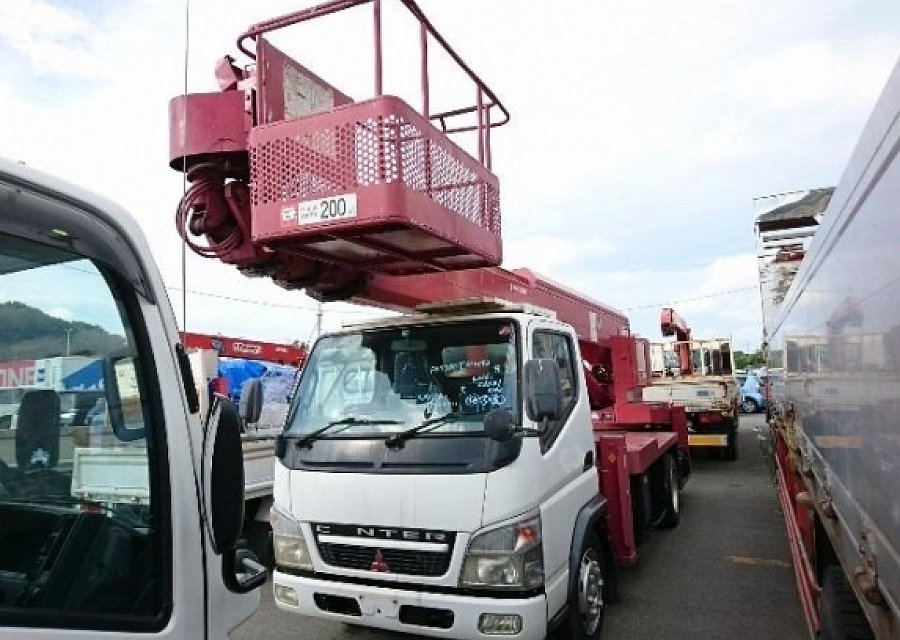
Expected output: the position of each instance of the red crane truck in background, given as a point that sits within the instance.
(289, 354)
(697, 374)
(476, 466)
(829, 283)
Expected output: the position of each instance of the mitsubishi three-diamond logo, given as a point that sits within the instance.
(40, 457)
(379, 563)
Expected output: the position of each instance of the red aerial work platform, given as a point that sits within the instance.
(371, 201)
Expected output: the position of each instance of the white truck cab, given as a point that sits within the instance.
(126, 528)
(424, 486)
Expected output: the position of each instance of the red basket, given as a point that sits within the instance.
(373, 185)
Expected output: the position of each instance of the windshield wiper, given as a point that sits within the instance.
(398, 439)
(309, 438)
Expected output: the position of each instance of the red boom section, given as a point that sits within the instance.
(289, 354)
(671, 324)
(593, 321)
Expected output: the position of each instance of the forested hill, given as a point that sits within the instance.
(28, 333)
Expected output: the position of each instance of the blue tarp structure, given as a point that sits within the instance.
(239, 371)
(86, 378)
(277, 382)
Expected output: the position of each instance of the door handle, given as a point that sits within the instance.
(588, 461)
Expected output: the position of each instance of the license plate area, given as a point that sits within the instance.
(379, 606)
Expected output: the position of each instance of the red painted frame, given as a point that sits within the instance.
(482, 109)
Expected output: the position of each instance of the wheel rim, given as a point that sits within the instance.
(673, 487)
(590, 591)
(749, 406)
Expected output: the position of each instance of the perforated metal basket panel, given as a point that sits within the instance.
(404, 174)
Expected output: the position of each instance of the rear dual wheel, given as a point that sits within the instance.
(669, 494)
(731, 443)
(841, 616)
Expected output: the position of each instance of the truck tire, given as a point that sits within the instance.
(731, 444)
(840, 614)
(668, 494)
(748, 405)
(586, 592)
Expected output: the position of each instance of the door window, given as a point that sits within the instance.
(558, 347)
(81, 520)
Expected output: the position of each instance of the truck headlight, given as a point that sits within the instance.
(287, 538)
(507, 557)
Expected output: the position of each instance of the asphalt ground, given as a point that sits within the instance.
(724, 572)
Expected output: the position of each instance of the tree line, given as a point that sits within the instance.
(27, 333)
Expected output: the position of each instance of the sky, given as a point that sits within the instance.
(640, 131)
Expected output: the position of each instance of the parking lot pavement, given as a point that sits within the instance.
(724, 572)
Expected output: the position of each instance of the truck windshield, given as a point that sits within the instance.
(395, 378)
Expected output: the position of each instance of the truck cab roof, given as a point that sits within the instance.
(454, 310)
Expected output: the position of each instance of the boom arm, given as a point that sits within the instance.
(671, 324)
(593, 321)
(289, 354)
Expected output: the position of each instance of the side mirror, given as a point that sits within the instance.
(251, 401)
(123, 397)
(242, 571)
(281, 443)
(543, 393)
(223, 475)
(498, 425)
(223, 497)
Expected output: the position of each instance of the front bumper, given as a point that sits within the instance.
(432, 614)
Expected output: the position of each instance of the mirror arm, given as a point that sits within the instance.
(243, 561)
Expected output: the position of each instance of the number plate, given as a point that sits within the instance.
(707, 440)
(321, 210)
(380, 607)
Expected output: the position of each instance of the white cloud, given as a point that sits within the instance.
(615, 105)
(61, 313)
(730, 140)
(547, 253)
(817, 75)
(54, 40)
(799, 93)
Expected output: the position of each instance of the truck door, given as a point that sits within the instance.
(99, 513)
(567, 447)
